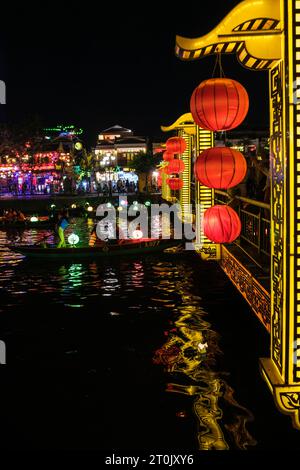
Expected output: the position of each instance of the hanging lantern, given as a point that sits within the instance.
(168, 156)
(176, 145)
(220, 168)
(219, 104)
(174, 166)
(221, 224)
(175, 183)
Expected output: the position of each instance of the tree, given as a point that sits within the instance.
(143, 163)
(19, 140)
(86, 163)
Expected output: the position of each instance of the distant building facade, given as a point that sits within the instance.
(114, 152)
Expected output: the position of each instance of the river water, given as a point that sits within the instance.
(156, 352)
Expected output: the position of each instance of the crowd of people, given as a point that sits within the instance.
(119, 186)
(12, 215)
(256, 184)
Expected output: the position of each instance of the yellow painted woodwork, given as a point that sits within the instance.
(265, 35)
(252, 30)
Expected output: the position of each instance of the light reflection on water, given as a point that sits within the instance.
(191, 354)
(129, 289)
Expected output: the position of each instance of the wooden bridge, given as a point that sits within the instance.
(264, 264)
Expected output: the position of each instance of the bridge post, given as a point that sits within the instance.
(184, 127)
(282, 370)
(265, 35)
(197, 140)
(204, 199)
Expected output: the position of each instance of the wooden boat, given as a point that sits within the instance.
(142, 246)
(42, 222)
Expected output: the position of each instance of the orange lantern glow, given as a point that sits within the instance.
(219, 104)
(221, 224)
(175, 183)
(220, 167)
(174, 166)
(168, 156)
(176, 145)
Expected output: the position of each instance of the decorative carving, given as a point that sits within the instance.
(290, 400)
(251, 31)
(208, 252)
(277, 222)
(249, 287)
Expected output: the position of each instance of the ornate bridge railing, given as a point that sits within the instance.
(255, 219)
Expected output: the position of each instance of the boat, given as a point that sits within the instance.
(42, 222)
(131, 247)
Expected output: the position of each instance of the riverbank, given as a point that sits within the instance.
(42, 202)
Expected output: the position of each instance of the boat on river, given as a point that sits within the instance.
(41, 222)
(130, 247)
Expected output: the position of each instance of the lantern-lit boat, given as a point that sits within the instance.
(33, 222)
(128, 247)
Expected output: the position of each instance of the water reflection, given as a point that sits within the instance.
(190, 353)
(134, 294)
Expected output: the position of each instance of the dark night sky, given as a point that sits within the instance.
(98, 64)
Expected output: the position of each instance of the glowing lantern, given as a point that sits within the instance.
(221, 224)
(34, 219)
(175, 166)
(148, 203)
(176, 145)
(73, 206)
(175, 183)
(219, 104)
(78, 146)
(168, 156)
(73, 239)
(90, 209)
(137, 234)
(220, 167)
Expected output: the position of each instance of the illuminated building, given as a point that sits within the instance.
(49, 168)
(115, 150)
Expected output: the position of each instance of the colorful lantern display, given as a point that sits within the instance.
(219, 104)
(175, 183)
(73, 239)
(137, 234)
(221, 224)
(220, 167)
(176, 145)
(174, 166)
(168, 156)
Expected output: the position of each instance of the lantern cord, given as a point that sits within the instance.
(218, 63)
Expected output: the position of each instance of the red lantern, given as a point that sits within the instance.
(176, 145)
(174, 166)
(221, 224)
(219, 104)
(168, 156)
(159, 180)
(220, 168)
(175, 183)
